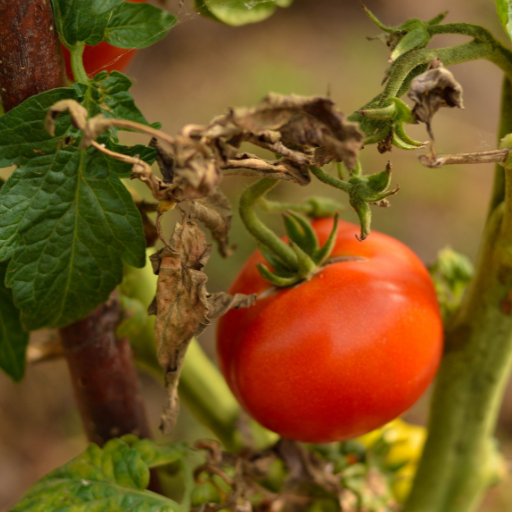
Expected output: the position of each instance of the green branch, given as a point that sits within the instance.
(258, 230)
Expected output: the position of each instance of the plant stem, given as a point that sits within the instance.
(456, 467)
(505, 127)
(30, 55)
(103, 376)
(257, 229)
(77, 64)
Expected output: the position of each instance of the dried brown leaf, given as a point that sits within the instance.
(214, 211)
(283, 169)
(164, 160)
(182, 305)
(76, 111)
(432, 90)
(303, 123)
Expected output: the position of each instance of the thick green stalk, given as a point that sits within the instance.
(258, 230)
(457, 467)
(77, 64)
(505, 127)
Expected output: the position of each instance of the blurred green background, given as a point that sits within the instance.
(315, 46)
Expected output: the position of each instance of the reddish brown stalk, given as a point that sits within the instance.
(104, 376)
(30, 55)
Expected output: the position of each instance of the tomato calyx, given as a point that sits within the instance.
(310, 257)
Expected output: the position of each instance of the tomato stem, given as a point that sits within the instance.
(258, 230)
(458, 463)
(77, 64)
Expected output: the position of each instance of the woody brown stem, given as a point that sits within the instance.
(103, 376)
(30, 55)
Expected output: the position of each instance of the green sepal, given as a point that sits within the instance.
(376, 20)
(325, 251)
(281, 282)
(380, 114)
(402, 140)
(300, 232)
(275, 262)
(415, 39)
(365, 216)
(377, 136)
(306, 264)
(379, 182)
(437, 19)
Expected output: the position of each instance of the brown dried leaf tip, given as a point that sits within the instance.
(182, 305)
(308, 130)
(432, 90)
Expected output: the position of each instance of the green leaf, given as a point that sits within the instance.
(66, 220)
(138, 25)
(154, 455)
(504, 8)
(109, 479)
(13, 338)
(77, 20)
(239, 12)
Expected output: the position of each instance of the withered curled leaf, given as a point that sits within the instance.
(182, 305)
(303, 123)
(214, 211)
(432, 90)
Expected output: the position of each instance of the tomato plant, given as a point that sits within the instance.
(338, 355)
(101, 57)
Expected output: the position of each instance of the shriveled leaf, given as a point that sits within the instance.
(303, 123)
(13, 338)
(282, 169)
(196, 169)
(221, 302)
(239, 12)
(182, 305)
(214, 211)
(432, 90)
(181, 301)
(134, 25)
(113, 478)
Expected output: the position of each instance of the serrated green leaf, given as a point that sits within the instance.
(66, 220)
(13, 338)
(238, 12)
(138, 25)
(504, 9)
(77, 20)
(109, 479)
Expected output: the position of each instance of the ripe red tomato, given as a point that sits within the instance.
(101, 57)
(339, 355)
